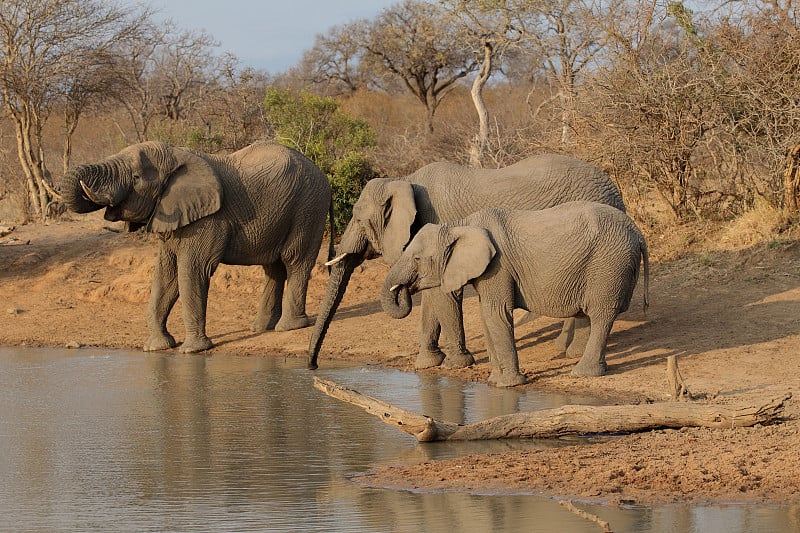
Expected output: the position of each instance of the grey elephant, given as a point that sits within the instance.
(262, 205)
(390, 211)
(578, 258)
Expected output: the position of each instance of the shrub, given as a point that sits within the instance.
(317, 127)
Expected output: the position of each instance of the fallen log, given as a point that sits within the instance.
(563, 421)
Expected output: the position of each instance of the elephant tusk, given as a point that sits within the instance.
(92, 197)
(336, 259)
(395, 288)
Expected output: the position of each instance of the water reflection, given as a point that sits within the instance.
(100, 440)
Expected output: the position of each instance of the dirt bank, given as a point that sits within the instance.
(731, 315)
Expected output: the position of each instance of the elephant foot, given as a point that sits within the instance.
(563, 341)
(428, 359)
(263, 325)
(589, 369)
(576, 347)
(507, 379)
(458, 360)
(160, 342)
(197, 344)
(579, 338)
(288, 324)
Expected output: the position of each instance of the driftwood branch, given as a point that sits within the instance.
(563, 421)
(677, 387)
(586, 516)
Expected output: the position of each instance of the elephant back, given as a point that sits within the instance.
(452, 192)
(269, 160)
(553, 179)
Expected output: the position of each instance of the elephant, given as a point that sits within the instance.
(265, 204)
(390, 211)
(574, 259)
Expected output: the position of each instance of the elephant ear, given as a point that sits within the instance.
(467, 256)
(191, 192)
(401, 209)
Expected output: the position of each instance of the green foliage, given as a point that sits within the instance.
(317, 127)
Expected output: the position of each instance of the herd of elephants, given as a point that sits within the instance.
(548, 234)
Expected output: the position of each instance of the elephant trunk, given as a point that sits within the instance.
(352, 251)
(337, 284)
(395, 299)
(91, 187)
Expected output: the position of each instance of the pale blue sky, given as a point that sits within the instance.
(267, 34)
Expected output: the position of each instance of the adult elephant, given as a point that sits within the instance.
(262, 205)
(574, 259)
(390, 211)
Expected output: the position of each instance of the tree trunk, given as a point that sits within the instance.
(791, 180)
(563, 421)
(478, 148)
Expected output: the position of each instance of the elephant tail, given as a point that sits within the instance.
(646, 273)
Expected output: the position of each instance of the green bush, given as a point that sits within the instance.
(317, 127)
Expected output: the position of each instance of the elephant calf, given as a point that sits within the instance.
(575, 259)
(262, 205)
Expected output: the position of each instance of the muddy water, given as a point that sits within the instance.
(94, 440)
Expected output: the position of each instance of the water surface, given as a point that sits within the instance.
(129, 441)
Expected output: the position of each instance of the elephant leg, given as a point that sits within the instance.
(593, 362)
(498, 325)
(565, 337)
(294, 315)
(194, 277)
(269, 308)
(449, 311)
(580, 337)
(429, 353)
(163, 295)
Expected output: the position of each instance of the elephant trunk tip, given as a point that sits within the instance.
(396, 301)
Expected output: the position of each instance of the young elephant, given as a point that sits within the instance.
(575, 259)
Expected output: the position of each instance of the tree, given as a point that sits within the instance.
(184, 67)
(236, 107)
(662, 98)
(46, 48)
(566, 36)
(762, 46)
(418, 44)
(490, 32)
(332, 63)
(167, 73)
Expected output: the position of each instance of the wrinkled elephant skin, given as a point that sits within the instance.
(579, 259)
(390, 211)
(262, 205)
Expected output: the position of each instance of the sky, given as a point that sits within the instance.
(269, 35)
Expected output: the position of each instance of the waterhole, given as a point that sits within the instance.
(106, 440)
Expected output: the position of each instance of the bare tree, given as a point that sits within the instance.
(166, 73)
(332, 63)
(489, 32)
(45, 45)
(184, 66)
(236, 107)
(566, 36)
(660, 103)
(418, 44)
(762, 44)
